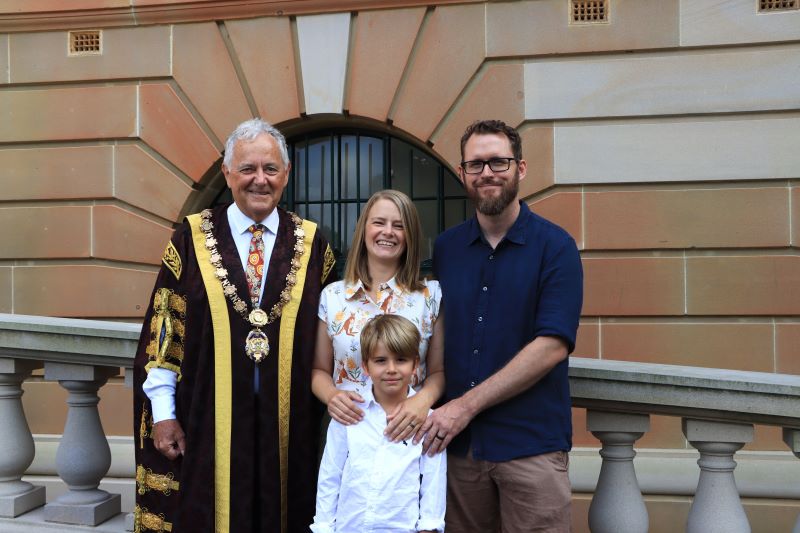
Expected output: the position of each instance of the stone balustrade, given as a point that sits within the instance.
(80, 355)
(718, 409)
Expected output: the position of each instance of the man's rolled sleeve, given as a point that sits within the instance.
(561, 295)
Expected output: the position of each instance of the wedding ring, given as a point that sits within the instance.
(438, 437)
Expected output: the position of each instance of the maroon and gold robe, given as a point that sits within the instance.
(248, 457)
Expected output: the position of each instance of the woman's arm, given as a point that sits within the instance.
(341, 404)
(408, 418)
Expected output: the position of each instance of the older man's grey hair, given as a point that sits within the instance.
(248, 131)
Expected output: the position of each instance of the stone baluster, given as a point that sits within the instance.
(16, 442)
(716, 507)
(792, 439)
(617, 505)
(83, 455)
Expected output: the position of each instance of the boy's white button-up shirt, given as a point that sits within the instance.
(368, 483)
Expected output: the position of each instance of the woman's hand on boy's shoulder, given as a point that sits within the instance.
(406, 420)
(343, 409)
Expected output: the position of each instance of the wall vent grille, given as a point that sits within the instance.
(588, 11)
(778, 5)
(85, 42)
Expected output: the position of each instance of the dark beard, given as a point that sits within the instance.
(493, 206)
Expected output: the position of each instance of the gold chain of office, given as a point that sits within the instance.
(257, 343)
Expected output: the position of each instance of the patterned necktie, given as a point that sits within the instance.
(255, 262)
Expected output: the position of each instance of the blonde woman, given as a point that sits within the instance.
(381, 277)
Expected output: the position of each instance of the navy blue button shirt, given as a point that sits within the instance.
(495, 302)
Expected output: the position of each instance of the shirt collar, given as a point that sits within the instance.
(241, 222)
(369, 397)
(351, 290)
(515, 234)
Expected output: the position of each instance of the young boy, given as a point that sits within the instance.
(367, 482)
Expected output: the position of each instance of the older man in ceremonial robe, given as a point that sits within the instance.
(226, 425)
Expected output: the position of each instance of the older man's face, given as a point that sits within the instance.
(257, 176)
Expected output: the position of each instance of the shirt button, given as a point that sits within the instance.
(485, 289)
(472, 384)
(475, 352)
(491, 257)
(480, 319)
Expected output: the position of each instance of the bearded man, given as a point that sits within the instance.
(226, 424)
(512, 288)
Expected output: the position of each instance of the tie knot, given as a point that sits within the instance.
(257, 230)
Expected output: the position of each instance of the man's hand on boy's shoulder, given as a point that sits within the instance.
(443, 425)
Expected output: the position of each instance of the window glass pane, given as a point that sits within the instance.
(427, 210)
(371, 162)
(455, 212)
(319, 167)
(401, 166)
(348, 151)
(314, 212)
(426, 174)
(331, 224)
(299, 172)
(452, 185)
(349, 223)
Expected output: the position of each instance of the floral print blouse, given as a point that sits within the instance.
(347, 308)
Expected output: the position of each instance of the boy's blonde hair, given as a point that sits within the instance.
(398, 334)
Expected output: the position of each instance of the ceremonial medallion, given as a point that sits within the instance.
(257, 345)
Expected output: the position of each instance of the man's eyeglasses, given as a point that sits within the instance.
(497, 164)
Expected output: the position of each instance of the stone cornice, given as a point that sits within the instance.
(39, 15)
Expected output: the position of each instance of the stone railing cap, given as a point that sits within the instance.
(68, 340)
(686, 376)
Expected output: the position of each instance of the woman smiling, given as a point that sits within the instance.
(381, 277)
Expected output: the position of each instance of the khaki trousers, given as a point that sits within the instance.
(531, 494)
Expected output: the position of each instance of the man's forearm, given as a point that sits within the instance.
(524, 370)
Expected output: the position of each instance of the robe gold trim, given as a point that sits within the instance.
(288, 321)
(222, 368)
(222, 379)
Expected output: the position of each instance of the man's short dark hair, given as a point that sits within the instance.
(484, 127)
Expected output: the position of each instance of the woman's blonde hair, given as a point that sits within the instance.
(398, 334)
(407, 276)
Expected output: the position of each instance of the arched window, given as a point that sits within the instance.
(334, 172)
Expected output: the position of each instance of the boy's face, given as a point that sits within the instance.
(390, 373)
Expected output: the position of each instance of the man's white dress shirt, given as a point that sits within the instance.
(368, 483)
(160, 383)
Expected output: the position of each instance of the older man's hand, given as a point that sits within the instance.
(169, 439)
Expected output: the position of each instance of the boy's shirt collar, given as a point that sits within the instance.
(369, 397)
